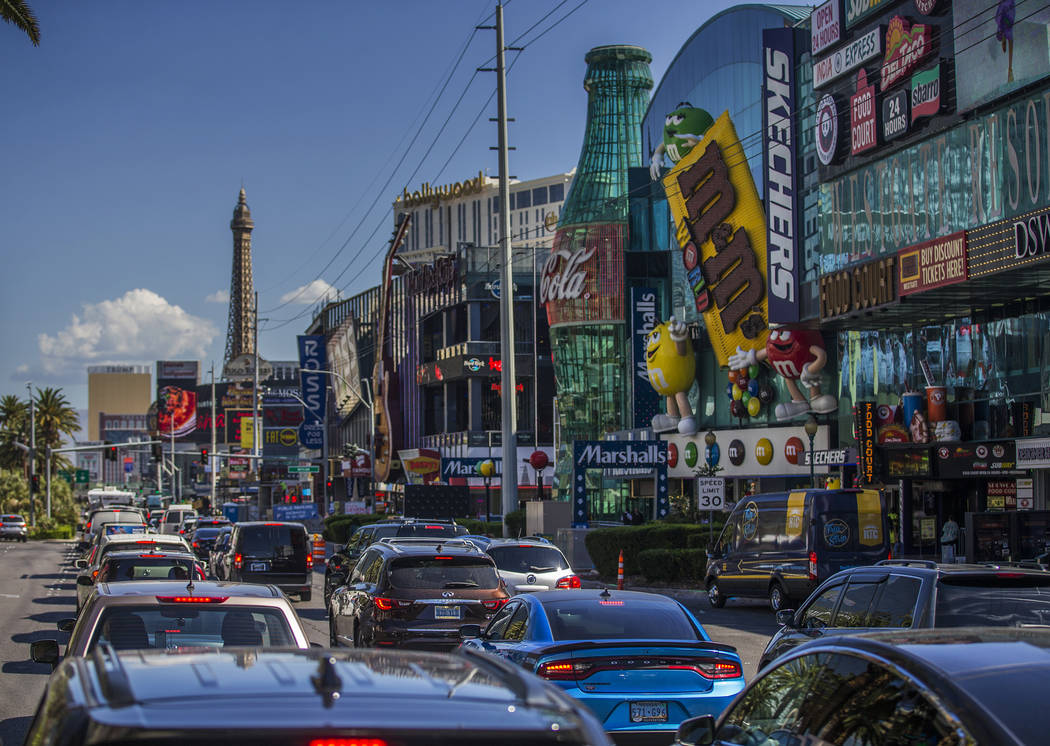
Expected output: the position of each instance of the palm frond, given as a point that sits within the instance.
(21, 15)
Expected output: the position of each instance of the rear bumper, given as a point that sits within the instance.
(614, 709)
(417, 637)
(289, 583)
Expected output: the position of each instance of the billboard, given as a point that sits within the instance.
(721, 228)
(645, 316)
(999, 47)
(314, 388)
(343, 362)
(582, 278)
(781, 168)
(177, 397)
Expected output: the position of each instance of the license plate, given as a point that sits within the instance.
(258, 567)
(447, 612)
(648, 712)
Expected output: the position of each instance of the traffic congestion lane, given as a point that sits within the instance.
(37, 588)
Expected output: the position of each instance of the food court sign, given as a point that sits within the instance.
(721, 225)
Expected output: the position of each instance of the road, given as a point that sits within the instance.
(39, 589)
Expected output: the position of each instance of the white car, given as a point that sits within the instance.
(14, 527)
(173, 518)
(528, 565)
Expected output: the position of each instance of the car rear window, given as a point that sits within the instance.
(275, 540)
(206, 533)
(525, 559)
(1002, 599)
(124, 528)
(606, 619)
(431, 572)
(170, 626)
(429, 530)
(147, 568)
(116, 516)
(13, 519)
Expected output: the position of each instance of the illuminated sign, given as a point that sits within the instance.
(1008, 244)
(926, 93)
(862, 116)
(565, 274)
(825, 26)
(429, 195)
(582, 278)
(865, 428)
(718, 212)
(848, 58)
(473, 364)
(827, 129)
(432, 278)
(856, 10)
(859, 288)
(782, 219)
(905, 47)
(895, 115)
(932, 264)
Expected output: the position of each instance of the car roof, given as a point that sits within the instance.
(930, 568)
(200, 588)
(125, 553)
(523, 541)
(249, 524)
(446, 695)
(420, 547)
(139, 539)
(577, 594)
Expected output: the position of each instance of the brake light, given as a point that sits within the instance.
(191, 599)
(569, 581)
(94, 574)
(348, 742)
(1009, 575)
(196, 544)
(610, 603)
(712, 670)
(88, 529)
(812, 565)
(238, 560)
(309, 561)
(152, 556)
(389, 604)
(273, 524)
(444, 558)
(435, 528)
(557, 671)
(581, 669)
(890, 555)
(494, 605)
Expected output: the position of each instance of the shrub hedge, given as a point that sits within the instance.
(673, 565)
(604, 544)
(337, 528)
(59, 531)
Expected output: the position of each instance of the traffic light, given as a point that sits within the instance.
(111, 451)
(204, 455)
(34, 484)
(155, 451)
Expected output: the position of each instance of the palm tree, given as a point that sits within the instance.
(54, 418)
(14, 425)
(21, 15)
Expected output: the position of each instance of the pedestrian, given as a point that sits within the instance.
(949, 540)
(637, 518)
(627, 518)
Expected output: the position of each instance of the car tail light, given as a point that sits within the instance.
(581, 669)
(712, 669)
(191, 599)
(443, 558)
(812, 565)
(495, 605)
(890, 555)
(88, 529)
(560, 671)
(309, 561)
(1009, 575)
(569, 581)
(238, 561)
(94, 574)
(389, 604)
(433, 528)
(606, 602)
(196, 544)
(348, 742)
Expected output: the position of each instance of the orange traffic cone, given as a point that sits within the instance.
(619, 573)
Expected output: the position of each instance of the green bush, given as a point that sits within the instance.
(672, 565)
(604, 544)
(515, 524)
(49, 528)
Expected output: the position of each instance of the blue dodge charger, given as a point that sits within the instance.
(640, 661)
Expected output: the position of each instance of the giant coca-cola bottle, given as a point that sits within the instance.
(582, 285)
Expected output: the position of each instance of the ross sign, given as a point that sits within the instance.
(308, 469)
(827, 137)
(848, 58)
(825, 26)
(998, 52)
(857, 10)
(895, 115)
(1033, 453)
(710, 493)
(433, 196)
(906, 46)
(932, 264)
(862, 116)
(926, 93)
(783, 221)
(978, 460)
(312, 356)
(645, 316)
(860, 288)
(793, 450)
(719, 216)
(865, 428)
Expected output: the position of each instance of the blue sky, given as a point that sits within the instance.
(128, 133)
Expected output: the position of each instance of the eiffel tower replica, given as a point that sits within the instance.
(240, 331)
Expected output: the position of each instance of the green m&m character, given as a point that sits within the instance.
(683, 129)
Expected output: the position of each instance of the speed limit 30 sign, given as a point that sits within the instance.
(710, 493)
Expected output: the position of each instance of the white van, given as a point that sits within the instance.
(173, 517)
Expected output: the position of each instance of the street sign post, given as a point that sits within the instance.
(312, 469)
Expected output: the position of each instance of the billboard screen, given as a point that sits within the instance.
(343, 362)
(999, 47)
(177, 397)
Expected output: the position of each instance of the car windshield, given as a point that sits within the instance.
(525, 558)
(1004, 599)
(146, 568)
(612, 618)
(432, 572)
(170, 626)
(428, 530)
(206, 533)
(275, 540)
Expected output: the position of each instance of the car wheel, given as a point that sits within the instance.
(333, 641)
(777, 597)
(714, 595)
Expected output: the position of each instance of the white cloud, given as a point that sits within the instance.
(140, 326)
(219, 296)
(307, 294)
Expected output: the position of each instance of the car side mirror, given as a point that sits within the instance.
(698, 731)
(66, 625)
(80, 564)
(336, 563)
(786, 617)
(468, 631)
(84, 580)
(45, 651)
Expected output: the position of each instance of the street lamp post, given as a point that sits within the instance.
(811, 428)
(32, 455)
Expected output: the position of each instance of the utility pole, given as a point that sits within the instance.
(508, 381)
(255, 392)
(32, 455)
(212, 459)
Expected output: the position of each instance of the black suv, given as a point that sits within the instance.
(914, 594)
(340, 564)
(273, 552)
(305, 696)
(416, 593)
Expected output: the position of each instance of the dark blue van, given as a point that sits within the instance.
(782, 545)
